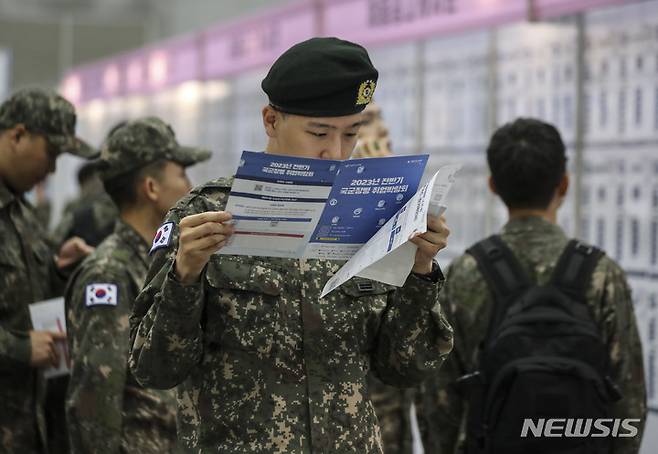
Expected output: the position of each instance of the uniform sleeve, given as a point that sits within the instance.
(414, 336)
(15, 348)
(441, 407)
(165, 327)
(627, 369)
(99, 340)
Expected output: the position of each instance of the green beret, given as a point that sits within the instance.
(321, 77)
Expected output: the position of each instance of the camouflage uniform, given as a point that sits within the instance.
(393, 410)
(90, 217)
(107, 411)
(27, 274)
(392, 404)
(266, 366)
(538, 245)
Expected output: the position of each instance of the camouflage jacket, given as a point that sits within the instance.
(107, 411)
(465, 297)
(27, 274)
(266, 366)
(90, 217)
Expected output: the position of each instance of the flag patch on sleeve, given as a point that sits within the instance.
(102, 294)
(162, 237)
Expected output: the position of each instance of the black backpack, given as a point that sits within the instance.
(542, 357)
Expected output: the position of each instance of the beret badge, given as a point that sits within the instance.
(366, 90)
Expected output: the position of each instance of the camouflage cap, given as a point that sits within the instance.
(45, 112)
(142, 142)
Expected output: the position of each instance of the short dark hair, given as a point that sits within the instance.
(86, 172)
(527, 160)
(123, 188)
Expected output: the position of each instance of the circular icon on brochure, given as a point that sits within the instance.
(335, 220)
(358, 211)
(381, 204)
(360, 169)
(382, 221)
(241, 163)
(333, 202)
(399, 197)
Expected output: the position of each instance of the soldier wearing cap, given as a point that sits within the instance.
(262, 363)
(92, 214)
(143, 170)
(36, 126)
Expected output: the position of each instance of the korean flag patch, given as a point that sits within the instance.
(162, 237)
(101, 294)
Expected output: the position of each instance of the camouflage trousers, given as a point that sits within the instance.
(147, 439)
(393, 407)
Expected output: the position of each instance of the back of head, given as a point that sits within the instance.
(527, 161)
(87, 172)
(373, 137)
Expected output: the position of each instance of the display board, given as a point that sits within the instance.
(620, 193)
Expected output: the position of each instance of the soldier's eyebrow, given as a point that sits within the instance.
(315, 124)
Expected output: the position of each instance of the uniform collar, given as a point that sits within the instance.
(532, 224)
(6, 196)
(132, 239)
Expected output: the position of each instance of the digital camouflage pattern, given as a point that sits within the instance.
(141, 142)
(107, 410)
(393, 409)
(537, 244)
(45, 112)
(392, 404)
(90, 217)
(27, 274)
(266, 366)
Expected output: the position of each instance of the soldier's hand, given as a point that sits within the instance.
(430, 243)
(73, 250)
(201, 235)
(44, 353)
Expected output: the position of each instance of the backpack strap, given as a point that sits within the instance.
(499, 267)
(502, 272)
(574, 269)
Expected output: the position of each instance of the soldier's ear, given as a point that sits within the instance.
(563, 187)
(270, 120)
(16, 133)
(150, 188)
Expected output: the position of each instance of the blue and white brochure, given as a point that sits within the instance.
(294, 207)
(389, 255)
